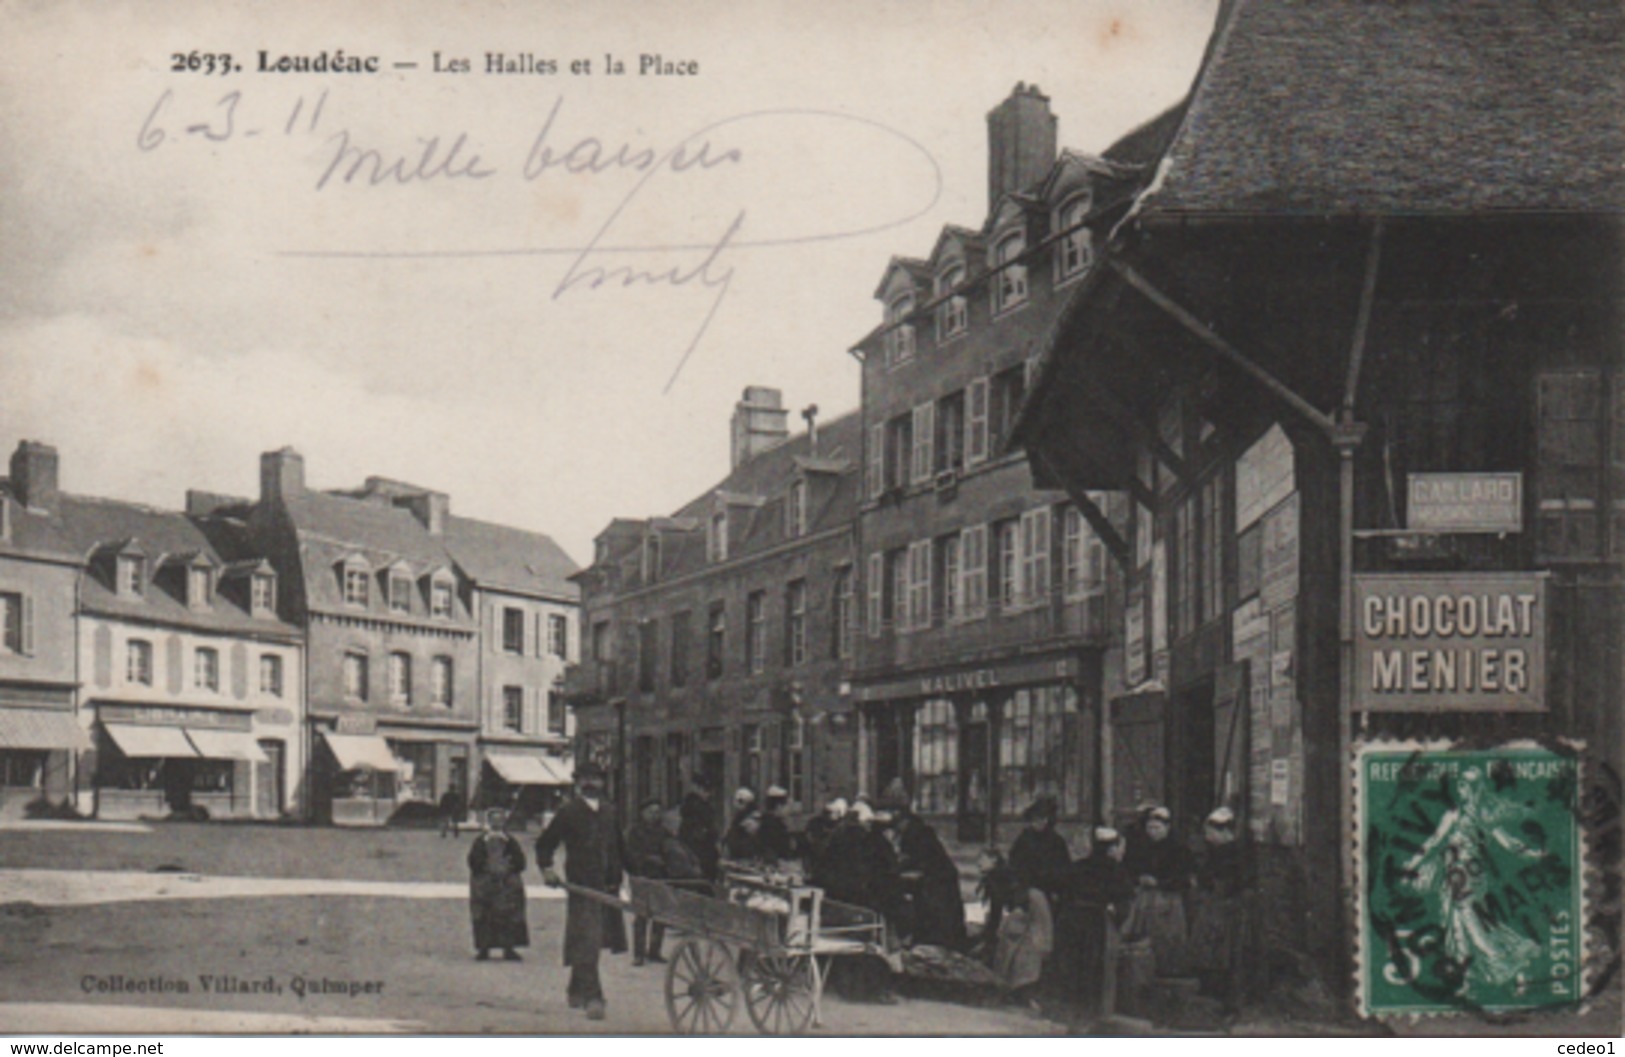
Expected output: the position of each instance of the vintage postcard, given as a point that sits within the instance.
(860, 519)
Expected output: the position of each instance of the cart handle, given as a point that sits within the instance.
(595, 895)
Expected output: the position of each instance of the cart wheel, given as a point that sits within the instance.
(781, 992)
(701, 996)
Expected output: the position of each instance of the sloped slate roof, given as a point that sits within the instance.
(1404, 106)
(499, 556)
(34, 532)
(93, 524)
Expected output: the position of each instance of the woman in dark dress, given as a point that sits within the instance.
(496, 890)
(1218, 908)
(1040, 857)
(1161, 866)
(925, 865)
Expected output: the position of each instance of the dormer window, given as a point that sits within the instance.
(357, 584)
(400, 592)
(795, 509)
(132, 575)
(1076, 250)
(716, 543)
(198, 587)
(952, 313)
(1010, 281)
(900, 332)
(262, 594)
(651, 559)
(440, 599)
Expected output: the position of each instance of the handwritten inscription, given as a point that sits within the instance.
(613, 258)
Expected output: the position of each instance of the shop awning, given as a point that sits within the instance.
(226, 745)
(531, 770)
(358, 751)
(168, 742)
(36, 728)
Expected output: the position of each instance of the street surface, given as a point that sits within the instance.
(220, 928)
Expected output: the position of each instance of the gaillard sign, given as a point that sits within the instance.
(1464, 502)
(1454, 642)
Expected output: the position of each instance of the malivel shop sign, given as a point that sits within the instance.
(1458, 642)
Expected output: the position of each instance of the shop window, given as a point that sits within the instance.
(936, 758)
(22, 768)
(415, 779)
(1037, 730)
(440, 682)
(138, 662)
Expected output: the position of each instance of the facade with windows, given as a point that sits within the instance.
(391, 630)
(40, 737)
(1286, 365)
(527, 608)
(716, 637)
(978, 667)
(192, 685)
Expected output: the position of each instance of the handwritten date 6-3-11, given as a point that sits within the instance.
(219, 122)
(204, 62)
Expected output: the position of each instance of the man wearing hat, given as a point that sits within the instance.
(774, 835)
(585, 826)
(699, 829)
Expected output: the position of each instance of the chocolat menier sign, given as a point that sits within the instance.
(1456, 642)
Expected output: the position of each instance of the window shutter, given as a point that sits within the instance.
(976, 422)
(26, 638)
(877, 460)
(923, 433)
(876, 585)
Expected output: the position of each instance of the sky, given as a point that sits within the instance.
(540, 292)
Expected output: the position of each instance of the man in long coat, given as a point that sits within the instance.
(585, 826)
(700, 825)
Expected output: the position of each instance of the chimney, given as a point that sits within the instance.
(33, 475)
(282, 474)
(430, 508)
(1021, 142)
(810, 414)
(759, 423)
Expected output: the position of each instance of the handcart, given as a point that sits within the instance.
(756, 938)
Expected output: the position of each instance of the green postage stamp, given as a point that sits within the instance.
(1471, 879)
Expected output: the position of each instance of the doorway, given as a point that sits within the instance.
(975, 778)
(269, 792)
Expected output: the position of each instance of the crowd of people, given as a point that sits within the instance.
(1167, 909)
